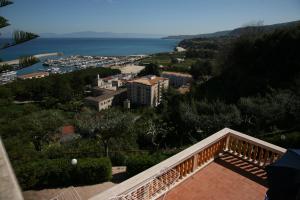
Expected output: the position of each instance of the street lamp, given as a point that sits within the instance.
(282, 137)
(74, 161)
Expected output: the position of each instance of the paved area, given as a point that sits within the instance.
(222, 180)
(129, 69)
(85, 192)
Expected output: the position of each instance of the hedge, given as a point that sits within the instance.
(60, 173)
(139, 163)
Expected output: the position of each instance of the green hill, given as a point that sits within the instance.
(236, 32)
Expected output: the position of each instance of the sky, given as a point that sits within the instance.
(164, 17)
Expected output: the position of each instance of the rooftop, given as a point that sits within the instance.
(177, 74)
(107, 94)
(148, 80)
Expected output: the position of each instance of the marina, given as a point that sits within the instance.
(72, 63)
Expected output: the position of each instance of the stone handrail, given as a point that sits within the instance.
(190, 161)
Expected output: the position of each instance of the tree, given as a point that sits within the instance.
(189, 121)
(41, 125)
(216, 115)
(18, 36)
(201, 70)
(104, 126)
(150, 69)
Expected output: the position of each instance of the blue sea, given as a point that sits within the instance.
(86, 46)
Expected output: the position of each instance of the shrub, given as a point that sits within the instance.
(60, 172)
(139, 163)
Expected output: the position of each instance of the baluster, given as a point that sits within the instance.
(224, 143)
(261, 154)
(208, 153)
(234, 144)
(255, 154)
(240, 147)
(266, 158)
(246, 145)
(272, 158)
(230, 143)
(201, 158)
(179, 171)
(250, 149)
(184, 168)
(188, 166)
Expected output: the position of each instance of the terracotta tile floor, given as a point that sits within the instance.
(228, 178)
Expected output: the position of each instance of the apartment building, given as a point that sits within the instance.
(147, 90)
(113, 82)
(178, 79)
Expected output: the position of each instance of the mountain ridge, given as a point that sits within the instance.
(233, 32)
(91, 34)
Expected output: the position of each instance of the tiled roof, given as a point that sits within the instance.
(68, 129)
(109, 94)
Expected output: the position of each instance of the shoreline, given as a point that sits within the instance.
(16, 61)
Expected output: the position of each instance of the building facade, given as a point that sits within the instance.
(147, 90)
(113, 82)
(178, 79)
(107, 99)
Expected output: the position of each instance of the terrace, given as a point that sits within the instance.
(226, 165)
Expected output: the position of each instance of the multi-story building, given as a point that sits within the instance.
(147, 90)
(178, 79)
(113, 82)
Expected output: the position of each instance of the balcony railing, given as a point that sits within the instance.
(158, 180)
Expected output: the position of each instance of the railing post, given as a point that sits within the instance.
(227, 143)
(195, 162)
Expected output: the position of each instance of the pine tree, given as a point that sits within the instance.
(18, 36)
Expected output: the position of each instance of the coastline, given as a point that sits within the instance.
(16, 61)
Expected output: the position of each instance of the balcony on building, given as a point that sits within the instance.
(228, 165)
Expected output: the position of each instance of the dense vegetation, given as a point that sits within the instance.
(52, 173)
(251, 84)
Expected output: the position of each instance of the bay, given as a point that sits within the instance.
(87, 46)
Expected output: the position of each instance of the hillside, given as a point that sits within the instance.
(235, 32)
(252, 65)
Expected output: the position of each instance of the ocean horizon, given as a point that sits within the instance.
(89, 46)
